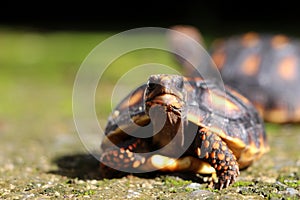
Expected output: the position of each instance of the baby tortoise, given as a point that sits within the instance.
(265, 68)
(174, 123)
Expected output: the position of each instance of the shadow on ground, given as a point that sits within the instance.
(87, 167)
(81, 166)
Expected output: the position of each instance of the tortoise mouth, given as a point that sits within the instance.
(171, 102)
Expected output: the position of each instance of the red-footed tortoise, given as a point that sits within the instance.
(178, 124)
(265, 68)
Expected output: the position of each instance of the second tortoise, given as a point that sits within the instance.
(263, 67)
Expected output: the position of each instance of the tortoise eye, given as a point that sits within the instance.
(151, 86)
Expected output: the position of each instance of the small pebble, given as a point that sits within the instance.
(132, 194)
(291, 191)
(57, 194)
(200, 193)
(93, 182)
(194, 186)
(147, 185)
(281, 184)
(11, 186)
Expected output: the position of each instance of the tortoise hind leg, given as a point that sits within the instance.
(209, 147)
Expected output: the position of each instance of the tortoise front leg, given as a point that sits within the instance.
(209, 147)
(123, 157)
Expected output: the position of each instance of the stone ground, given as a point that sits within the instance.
(47, 166)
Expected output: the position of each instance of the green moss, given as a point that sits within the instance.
(242, 183)
(77, 192)
(212, 189)
(173, 190)
(187, 189)
(170, 181)
(106, 182)
(89, 192)
(289, 180)
(274, 196)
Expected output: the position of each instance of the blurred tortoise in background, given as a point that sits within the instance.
(178, 124)
(263, 67)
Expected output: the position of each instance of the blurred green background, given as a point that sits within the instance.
(38, 70)
(40, 56)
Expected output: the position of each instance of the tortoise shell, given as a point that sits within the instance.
(263, 67)
(184, 124)
(266, 69)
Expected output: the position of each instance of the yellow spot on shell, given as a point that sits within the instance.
(251, 65)
(190, 31)
(278, 115)
(287, 68)
(220, 102)
(279, 41)
(250, 39)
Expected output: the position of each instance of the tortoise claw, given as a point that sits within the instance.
(225, 184)
(227, 178)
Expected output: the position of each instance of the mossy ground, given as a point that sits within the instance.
(42, 156)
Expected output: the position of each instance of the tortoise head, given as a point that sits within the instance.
(164, 103)
(165, 90)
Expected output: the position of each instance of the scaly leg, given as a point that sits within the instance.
(123, 157)
(210, 148)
